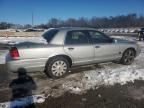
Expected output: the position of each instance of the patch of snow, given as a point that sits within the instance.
(121, 30)
(131, 30)
(116, 30)
(22, 102)
(110, 76)
(126, 30)
(73, 86)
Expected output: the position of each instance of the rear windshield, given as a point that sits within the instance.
(50, 34)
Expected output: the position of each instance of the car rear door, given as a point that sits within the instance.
(78, 47)
(104, 47)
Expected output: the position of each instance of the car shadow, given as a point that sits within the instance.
(79, 69)
(22, 86)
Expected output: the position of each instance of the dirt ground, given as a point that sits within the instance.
(116, 96)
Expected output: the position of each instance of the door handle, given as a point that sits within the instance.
(71, 48)
(97, 46)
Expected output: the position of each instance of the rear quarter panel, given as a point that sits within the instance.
(34, 59)
(44, 52)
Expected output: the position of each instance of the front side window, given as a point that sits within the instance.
(76, 37)
(98, 37)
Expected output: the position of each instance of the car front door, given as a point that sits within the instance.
(78, 47)
(104, 47)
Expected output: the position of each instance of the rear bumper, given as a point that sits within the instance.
(30, 65)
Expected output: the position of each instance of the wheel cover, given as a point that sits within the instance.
(59, 68)
(129, 56)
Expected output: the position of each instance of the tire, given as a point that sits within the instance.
(57, 67)
(128, 57)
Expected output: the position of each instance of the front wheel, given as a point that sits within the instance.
(128, 57)
(57, 67)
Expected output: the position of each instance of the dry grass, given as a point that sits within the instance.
(19, 34)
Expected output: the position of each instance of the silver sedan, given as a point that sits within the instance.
(68, 47)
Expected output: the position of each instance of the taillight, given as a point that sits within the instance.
(14, 53)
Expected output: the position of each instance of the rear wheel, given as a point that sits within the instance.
(128, 57)
(57, 67)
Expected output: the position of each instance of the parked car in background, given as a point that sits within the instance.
(33, 30)
(69, 47)
(141, 34)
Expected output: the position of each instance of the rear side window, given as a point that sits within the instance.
(76, 37)
(50, 34)
(98, 37)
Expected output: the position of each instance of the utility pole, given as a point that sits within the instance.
(32, 19)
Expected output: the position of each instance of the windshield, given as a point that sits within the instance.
(48, 35)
